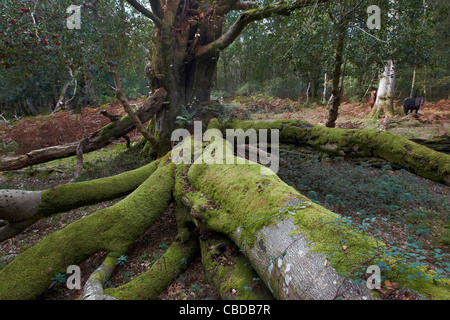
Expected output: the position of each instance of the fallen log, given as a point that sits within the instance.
(97, 140)
(351, 143)
(388, 121)
(439, 143)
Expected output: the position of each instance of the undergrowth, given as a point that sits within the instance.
(98, 164)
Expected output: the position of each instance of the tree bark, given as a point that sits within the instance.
(187, 50)
(324, 93)
(385, 94)
(333, 112)
(413, 82)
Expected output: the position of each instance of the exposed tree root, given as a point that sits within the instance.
(93, 288)
(18, 209)
(230, 271)
(150, 284)
(294, 245)
(113, 230)
(21, 209)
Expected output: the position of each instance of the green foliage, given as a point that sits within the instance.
(126, 275)
(39, 54)
(122, 260)
(59, 279)
(195, 288)
(186, 116)
(303, 47)
(163, 246)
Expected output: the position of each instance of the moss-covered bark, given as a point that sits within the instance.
(23, 208)
(293, 244)
(112, 230)
(231, 272)
(150, 284)
(395, 149)
(93, 288)
(74, 195)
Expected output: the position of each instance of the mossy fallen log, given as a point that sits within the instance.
(416, 158)
(439, 143)
(300, 249)
(150, 284)
(95, 141)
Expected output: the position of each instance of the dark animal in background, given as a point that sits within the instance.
(411, 104)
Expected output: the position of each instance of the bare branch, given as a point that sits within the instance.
(124, 101)
(246, 17)
(152, 16)
(156, 8)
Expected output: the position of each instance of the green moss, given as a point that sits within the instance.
(103, 274)
(153, 282)
(252, 202)
(245, 208)
(105, 133)
(247, 201)
(74, 195)
(236, 275)
(419, 279)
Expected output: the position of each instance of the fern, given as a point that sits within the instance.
(185, 118)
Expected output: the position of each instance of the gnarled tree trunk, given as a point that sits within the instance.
(189, 39)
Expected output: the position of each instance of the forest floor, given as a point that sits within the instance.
(410, 214)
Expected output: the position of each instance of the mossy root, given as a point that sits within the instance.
(111, 229)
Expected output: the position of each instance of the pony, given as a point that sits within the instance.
(411, 104)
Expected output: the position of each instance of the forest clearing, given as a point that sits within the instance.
(113, 184)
